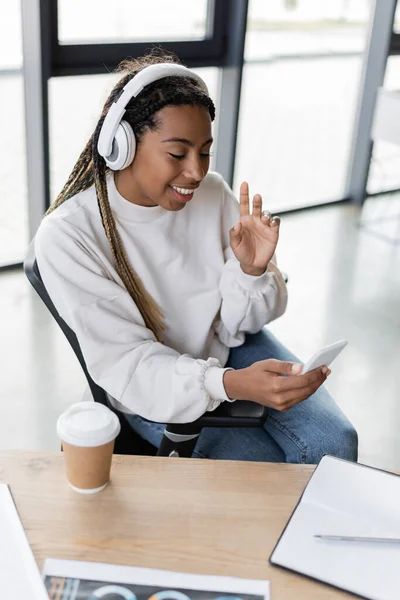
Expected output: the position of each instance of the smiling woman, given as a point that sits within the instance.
(168, 281)
(171, 160)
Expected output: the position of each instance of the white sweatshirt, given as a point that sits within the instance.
(185, 262)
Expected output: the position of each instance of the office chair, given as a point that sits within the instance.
(178, 439)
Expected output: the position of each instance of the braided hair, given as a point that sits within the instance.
(91, 170)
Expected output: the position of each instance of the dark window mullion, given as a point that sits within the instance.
(394, 48)
(97, 58)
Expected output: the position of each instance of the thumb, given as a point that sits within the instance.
(235, 231)
(234, 234)
(281, 366)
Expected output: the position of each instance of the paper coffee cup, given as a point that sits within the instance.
(88, 431)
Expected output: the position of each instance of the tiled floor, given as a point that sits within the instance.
(344, 282)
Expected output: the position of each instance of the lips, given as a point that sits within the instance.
(183, 197)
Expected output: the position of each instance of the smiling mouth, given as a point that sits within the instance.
(182, 194)
(184, 191)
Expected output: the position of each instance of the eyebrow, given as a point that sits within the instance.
(186, 142)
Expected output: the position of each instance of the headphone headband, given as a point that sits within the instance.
(131, 90)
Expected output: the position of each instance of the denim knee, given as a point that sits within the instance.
(340, 441)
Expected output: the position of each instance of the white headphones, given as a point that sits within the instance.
(117, 143)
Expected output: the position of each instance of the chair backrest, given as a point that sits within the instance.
(128, 442)
(33, 274)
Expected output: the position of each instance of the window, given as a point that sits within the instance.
(13, 192)
(97, 21)
(300, 85)
(384, 171)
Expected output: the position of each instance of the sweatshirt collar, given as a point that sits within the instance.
(128, 210)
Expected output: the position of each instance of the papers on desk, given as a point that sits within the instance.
(345, 498)
(19, 575)
(71, 580)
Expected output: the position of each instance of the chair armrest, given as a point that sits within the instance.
(240, 413)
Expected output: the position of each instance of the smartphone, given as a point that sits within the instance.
(324, 356)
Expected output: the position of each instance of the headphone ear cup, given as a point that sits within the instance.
(131, 144)
(123, 148)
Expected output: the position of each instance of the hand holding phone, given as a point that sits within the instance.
(324, 356)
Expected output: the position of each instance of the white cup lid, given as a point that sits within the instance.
(88, 424)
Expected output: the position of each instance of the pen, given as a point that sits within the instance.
(353, 538)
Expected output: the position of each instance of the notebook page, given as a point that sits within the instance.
(354, 489)
(371, 570)
(19, 575)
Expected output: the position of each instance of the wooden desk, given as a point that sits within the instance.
(196, 516)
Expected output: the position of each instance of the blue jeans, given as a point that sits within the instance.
(303, 434)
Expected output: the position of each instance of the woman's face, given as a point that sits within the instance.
(171, 161)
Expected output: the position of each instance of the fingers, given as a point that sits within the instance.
(290, 399)
(306, 380)
(286, 398)
(268, 219)
(283, 391)
(282, 367)
(275, 222)
(257, 206)
(244, 199)
(257, 210)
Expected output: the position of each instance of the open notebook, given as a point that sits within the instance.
(345, 498)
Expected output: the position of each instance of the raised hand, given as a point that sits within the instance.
(254, 238)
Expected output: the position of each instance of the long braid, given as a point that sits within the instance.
(81, 178)
(91, 168)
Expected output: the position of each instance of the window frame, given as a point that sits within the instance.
(45, 57)
(76, 59)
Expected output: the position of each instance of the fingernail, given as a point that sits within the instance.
(324, 370)
(296, 367)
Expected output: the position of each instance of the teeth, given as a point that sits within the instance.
(183, 191)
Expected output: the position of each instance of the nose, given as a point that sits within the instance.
(194, 169)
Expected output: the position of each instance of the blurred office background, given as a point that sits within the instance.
(295, 84)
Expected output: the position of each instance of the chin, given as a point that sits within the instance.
(175, 207)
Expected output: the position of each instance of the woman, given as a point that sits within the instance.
(168, 288)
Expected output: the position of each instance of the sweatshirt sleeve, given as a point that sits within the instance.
(121, 353)
(248, 302)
